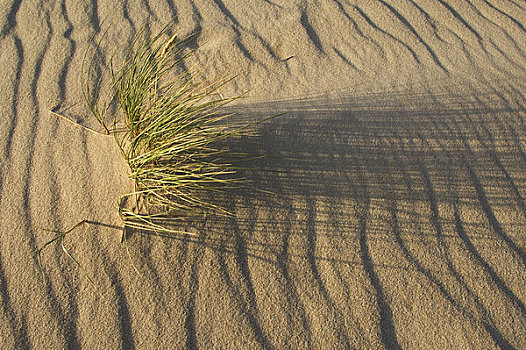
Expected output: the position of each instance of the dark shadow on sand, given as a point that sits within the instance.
(395, 152)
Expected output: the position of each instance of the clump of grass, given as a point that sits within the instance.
(171, 136)
(168, 131)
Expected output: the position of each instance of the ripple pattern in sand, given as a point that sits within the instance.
(399, 176)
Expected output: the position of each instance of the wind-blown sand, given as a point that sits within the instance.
(399, 219)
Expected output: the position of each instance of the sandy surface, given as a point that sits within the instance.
(399, 219)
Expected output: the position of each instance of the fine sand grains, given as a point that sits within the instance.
(392, 204)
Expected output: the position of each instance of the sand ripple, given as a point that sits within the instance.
(399, 173)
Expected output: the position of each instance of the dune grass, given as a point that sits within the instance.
(171, 139)
(166, 124)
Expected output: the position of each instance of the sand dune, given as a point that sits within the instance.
(399, 173)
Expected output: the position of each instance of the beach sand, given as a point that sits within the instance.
(397, 217)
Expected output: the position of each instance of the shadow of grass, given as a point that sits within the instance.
(337, 181)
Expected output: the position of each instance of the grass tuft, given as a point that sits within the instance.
(169, 132)
(172, 139)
